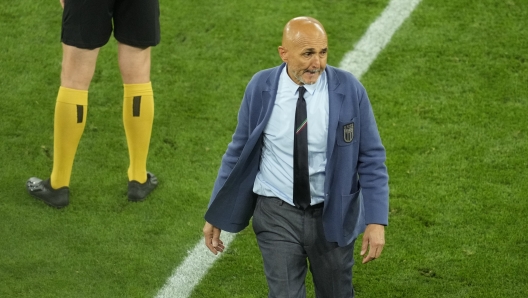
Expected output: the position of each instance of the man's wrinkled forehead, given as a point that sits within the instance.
(308, 43)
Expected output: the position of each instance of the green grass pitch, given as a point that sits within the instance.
(450, 94)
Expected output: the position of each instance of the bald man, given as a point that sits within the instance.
(307, 163)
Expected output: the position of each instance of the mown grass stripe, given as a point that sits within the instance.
(357, 61)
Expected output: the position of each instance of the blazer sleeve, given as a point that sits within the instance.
(235, 147)
(372, 171)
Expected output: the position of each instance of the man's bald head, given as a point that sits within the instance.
(304, 48)
(297, 27)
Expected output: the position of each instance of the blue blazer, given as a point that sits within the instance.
(356, 181)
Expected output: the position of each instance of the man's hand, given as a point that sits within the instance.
(212, 238)
(374, 237)
(62, 3)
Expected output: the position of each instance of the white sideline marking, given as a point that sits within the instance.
(378, 35)
(191, 271)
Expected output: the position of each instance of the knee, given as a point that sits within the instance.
(134, 64)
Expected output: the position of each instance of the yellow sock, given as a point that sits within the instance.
(71, 110)
(138, 115)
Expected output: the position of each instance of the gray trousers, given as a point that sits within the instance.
(287, 238)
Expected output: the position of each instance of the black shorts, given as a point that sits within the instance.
(87, 24)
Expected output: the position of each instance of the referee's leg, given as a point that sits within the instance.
(78, 67)
(138, 107)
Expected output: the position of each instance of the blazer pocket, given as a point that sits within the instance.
(351, 211)
(346, 132)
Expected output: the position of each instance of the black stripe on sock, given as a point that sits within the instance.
(136, 106)
(80, 113)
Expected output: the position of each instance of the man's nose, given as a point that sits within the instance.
(316, 62)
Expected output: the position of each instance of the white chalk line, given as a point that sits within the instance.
(192, 270)
(377, 36)
(189, 273)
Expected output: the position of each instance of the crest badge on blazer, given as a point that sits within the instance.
(348, 132)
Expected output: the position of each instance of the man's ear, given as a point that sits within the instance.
(283, 53)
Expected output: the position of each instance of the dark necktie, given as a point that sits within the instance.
(301, 179)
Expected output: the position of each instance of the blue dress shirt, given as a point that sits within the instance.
(275, 176)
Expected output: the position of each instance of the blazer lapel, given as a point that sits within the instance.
(268, 95)
(335, 99)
